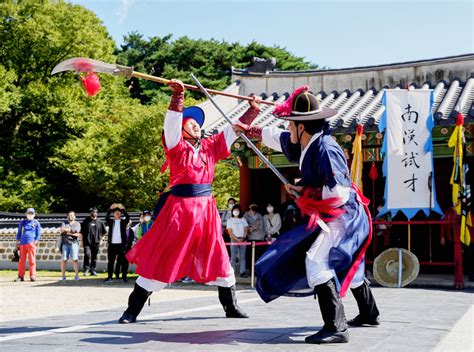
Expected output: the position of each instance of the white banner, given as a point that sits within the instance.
(408, 162)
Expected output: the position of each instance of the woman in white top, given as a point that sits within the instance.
(237, 227)
(272, 222)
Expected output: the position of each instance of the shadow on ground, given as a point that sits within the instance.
(252, 335)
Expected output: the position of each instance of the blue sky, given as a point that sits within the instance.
(334, 34)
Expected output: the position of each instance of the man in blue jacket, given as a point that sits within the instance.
(27, 237)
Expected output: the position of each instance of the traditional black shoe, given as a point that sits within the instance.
(127, 318)
(19, 279)
(361, 321)
(124, 281)
(324, 336)
(228, 300)
(235, 313)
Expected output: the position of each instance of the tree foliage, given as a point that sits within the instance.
(210, 60)
(63, 150)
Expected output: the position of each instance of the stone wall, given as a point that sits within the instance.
(46, 257)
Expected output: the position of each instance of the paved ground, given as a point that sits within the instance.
(190, 319)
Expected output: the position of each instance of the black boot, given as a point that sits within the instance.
(136, 301)
(335, 326)
(368, 312)
(229, 302)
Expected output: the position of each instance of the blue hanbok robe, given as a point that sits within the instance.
(281, 270)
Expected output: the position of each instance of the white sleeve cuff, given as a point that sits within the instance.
(271, 137)
(229, 135)
(340, 191)
(172, 127)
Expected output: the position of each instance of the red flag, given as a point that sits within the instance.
(373, 174)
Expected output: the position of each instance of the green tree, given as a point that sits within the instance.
(210, 60)
(38, 111)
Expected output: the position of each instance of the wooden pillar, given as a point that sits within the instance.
(458, 272)
(245, 186)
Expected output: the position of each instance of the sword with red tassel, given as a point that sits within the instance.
(91, 80)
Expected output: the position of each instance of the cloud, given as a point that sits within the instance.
(122, 11)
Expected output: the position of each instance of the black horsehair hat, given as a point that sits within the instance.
(302, 106)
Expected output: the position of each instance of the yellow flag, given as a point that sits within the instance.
(461, 191)
(356, 166)
(455, 141)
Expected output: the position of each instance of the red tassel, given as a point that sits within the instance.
(460, 119)
(360, 129)
(91, 83)
(373, 174)
(286, 108)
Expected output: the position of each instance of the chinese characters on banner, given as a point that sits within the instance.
(408, 152)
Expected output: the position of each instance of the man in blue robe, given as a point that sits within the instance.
(328, 259)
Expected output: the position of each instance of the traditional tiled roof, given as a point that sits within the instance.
(366, 105)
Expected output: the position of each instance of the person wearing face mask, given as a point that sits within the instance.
(186, 238)
(237, 227)
(71, 233)
(272, 222)
(256, 230)
(93, 231)
(27, 238)
(226, 215)
(145, 225)
(321, 260)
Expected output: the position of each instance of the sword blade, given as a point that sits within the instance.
(82, 64)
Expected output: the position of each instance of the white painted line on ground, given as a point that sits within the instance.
(460, 338)
(26, 335)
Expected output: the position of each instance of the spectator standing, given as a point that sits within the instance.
(121, 266)
(256, 228)
(118, 241)
(226, 215)
(70, 233)
(93, 230)
(237, 228)
(272, 222)
(291, 218)
(145, 225)
(27, 237)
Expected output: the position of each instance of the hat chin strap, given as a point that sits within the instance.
(196, 140)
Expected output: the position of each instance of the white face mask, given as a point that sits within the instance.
(230, 206)
(147, 218)
(30, 216)
(270, 209)
(236, 212)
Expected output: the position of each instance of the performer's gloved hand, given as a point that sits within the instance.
(249, 116)
(250, 131)
(290, 188)
(177, 98)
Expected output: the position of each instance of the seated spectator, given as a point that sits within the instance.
(27, 237)
(272, 223)
(237, 228)
(71, 233)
